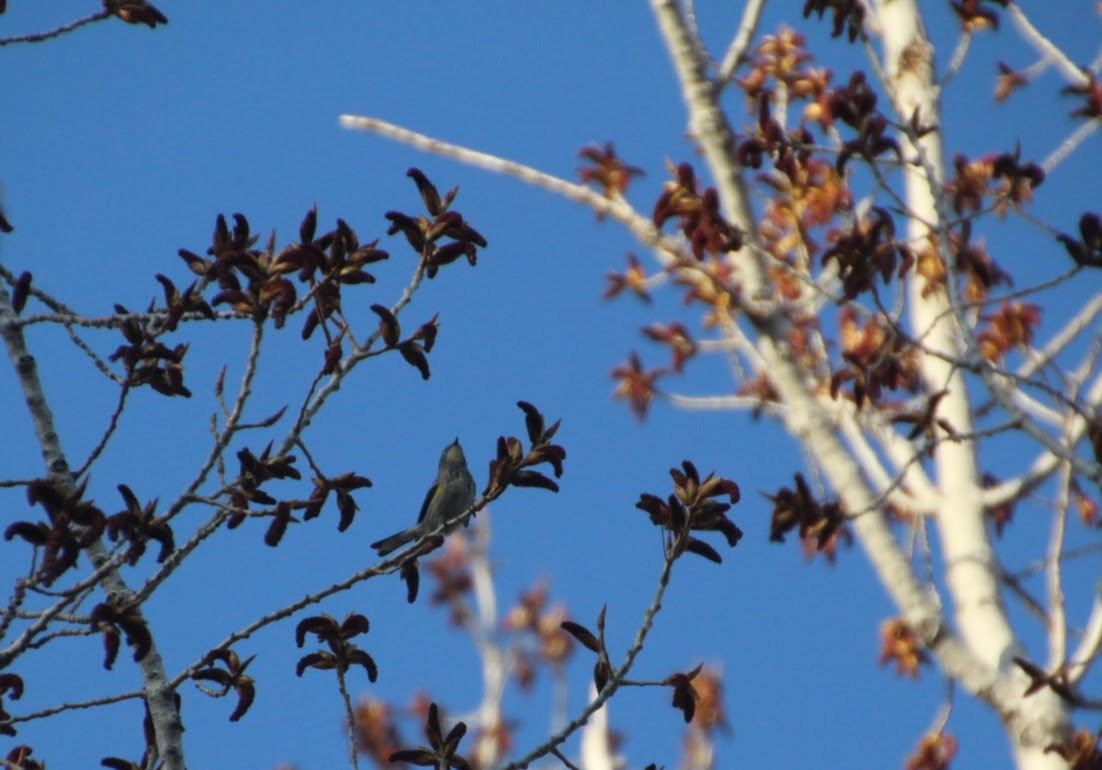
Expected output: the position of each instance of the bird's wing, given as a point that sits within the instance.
(425, 505)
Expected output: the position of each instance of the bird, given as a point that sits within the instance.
(449, 495)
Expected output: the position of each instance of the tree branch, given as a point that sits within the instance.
(158, 695)
(1049, 50)
(38, 37)
(751, 16)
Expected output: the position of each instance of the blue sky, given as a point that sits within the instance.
(120, 145)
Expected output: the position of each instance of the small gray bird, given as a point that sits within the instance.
(450, 495)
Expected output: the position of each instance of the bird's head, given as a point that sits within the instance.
(453, 453)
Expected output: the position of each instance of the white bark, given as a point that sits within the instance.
(596, 750)
(981, 658)
(971, 572)
(804, 419)
(969, 558)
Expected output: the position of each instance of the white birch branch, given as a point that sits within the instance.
(1048, 50)
(1090, 646)
(751, 16)
(971, 569)
(804, 418)
(1054, 582)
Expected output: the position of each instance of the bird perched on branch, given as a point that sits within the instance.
(450, 495)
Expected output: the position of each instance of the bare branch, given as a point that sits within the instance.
(1090, 646)
(162, 707)
(77, 706)
(112, 424)
(350, 720)
(956, 61)
(1061, 339)
(38, 37)
(562, 758)
(614, 208)
(740, 44)
(1057, 611)
(1070, 144)
(804, 418)
(724, 403)
(614, 682)
(897, 490)
(1050, 51)
(1047, 462)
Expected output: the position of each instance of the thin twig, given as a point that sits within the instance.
(46, 638)
(1038, 565)
(751, 16)
(1090, 645)
(49, 712)
(1057, 611)
(1049, 50)
(18, 596)
(112, 424)
(723, 403)
(38, 37)
(68, 317)
(214, 456)
(282, 613)
(957, 59)
(891, 489)
(613, 683)
(386, 567)
(98, 362)
(1014, 583)
(614, 208)
(1064, 337)
(1046, 463)
(227, 432)
(350, 717)
(1070, 144)
(559, 755)
(316, 397)
(71, 597)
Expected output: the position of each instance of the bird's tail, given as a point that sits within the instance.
(395, 541)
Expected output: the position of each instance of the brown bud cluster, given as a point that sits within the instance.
(636, 385)
(342, 653)
(898, 643)
(116, 621)
(848, 15)
(426, 235)
(694, 506)
(975, 16)
(606, 170)
(820, 525)
(224, 669)
(512, 465)
(934, 752)
(72, 524)
(700, 219)
(442, 750)
(533, 618)
(877, 358)
(867, 250)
